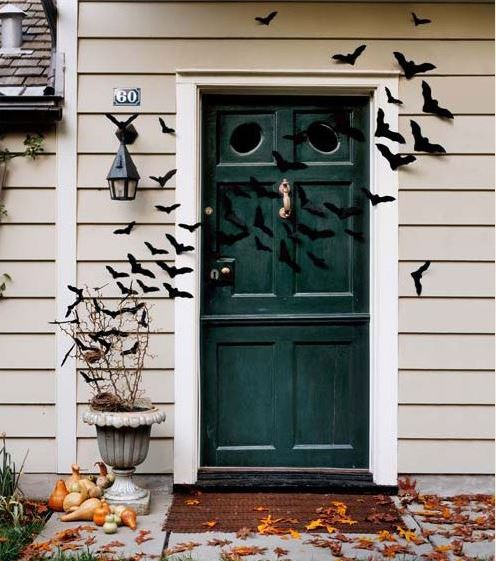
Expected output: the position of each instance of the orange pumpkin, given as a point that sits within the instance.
(101, 513)
(56, 499)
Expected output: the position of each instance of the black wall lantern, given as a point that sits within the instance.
(123, 176)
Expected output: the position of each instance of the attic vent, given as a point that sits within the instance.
(11, 17)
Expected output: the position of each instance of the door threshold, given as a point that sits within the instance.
(290, 479)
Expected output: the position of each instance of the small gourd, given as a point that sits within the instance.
(101, 513)
(75, 476)
(73, 500)
(84, 512)
(118, 509)
(128, 517)
(56, 499)
(110, 525)
(103, 479)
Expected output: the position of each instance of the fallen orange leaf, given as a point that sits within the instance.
(210, 523)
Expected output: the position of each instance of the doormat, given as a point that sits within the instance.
(278, 513)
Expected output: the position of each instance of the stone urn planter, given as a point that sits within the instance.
(123, 442)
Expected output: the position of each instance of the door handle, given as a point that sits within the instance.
(285, 190)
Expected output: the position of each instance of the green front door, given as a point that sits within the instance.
(285, 302)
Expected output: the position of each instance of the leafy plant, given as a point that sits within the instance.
(9, 474)
(4, 278)
(33, 148)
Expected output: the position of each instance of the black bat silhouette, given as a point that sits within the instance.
(162, 179)
(146, 289)
(297, 138)
(173, 271)
(164, 127)
(109, 332)
(307, 205)
(239, 191)
(292, 235)
(284, 165)
(121, 125)
(376, 199)
(175, 293)
(167, 209)
(350, 58)
(127, 291)
(261, 246)
(314, 234)
(116, 274)
(67, 355)
(384, 130)
(422, 143)
(84, 346)
(104, 343)
(431, 105)
(410, 68)
(342, 126)
(259, 222)
(155, 250)
(417, 275)
(395, 160)
(133, 309)
(79, 299)
(284, 257)
(317, 261)
(138, 269)
(126, 230)
(190, 227)
(231, 239)
(73, 321)
(230, 215)
(392, 99)
(343, 212)
(358, 236)
(261, 191)
(131, 351)
(142, 321)
(179, 247)
(419, 21)
(267, 19)
(91, 379)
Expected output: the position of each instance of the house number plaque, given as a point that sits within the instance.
(127, 96)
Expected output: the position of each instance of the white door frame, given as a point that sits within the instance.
(190, 84)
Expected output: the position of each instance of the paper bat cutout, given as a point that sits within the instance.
(103, 342)
(410, 68)
(384, 130)
(138, 269)
(79, 299)
(355, 235)
(132, 351)
(190, 227)
(259, 222)
(261, 246)
(67, 355)
(297, 138)
(126, 230)
(284, 257)
(116, 274)
(419, 21)
(417, 275)
(231, 239)
(239, 191)
(283, 165)
(162, 179)
(167, 209)
(146, 289)
(314, 234)
(83, 346)
(172, 270)
(395, 160)
(342, 126)
(155, 250)
(343, 212)
(69, 321)
(261, 191)
(109, 332)
(422, 143)
(164, 127)
(431, 105)
(376, 199)
(292, 235)
(307, 205)
(350, 58)
(267, 19)
(392, 99)
(317, 261)
(179, 247)
(127, 291)
(121, 125)
(91, 379)
(175, 293)
(142, 321)
(230, 215)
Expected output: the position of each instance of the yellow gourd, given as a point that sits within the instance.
(56, 499)
(85, 511)
(74, 499)
(128, 517)
(75, 476)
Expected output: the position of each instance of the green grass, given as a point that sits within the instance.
(14, 538)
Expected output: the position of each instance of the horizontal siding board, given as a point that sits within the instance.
(159, 459)
(14, 141)
(93, 169)
(446, 243)
(447, 421)
(28, 421)
(96, 134)
(446, 456)
(449, 280)
(446, 352)
(236, 19)
(30, 279)
(446, 315)
(27, 315)
(27, 352)
(28, 173)
(158, 56)
(27, 242)
(41, 458)
(443, 207)
(27, 386)
(455, 387)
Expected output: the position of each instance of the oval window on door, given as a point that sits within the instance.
(322, 137)
(246, 138)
